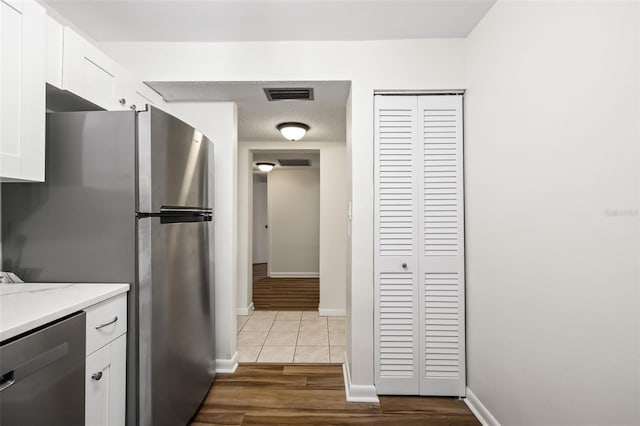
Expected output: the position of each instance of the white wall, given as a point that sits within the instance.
(218, 121)
(333, 221)
(294, 222)
(334, 184)
(260, 220)
(369, 65)
(552, 224)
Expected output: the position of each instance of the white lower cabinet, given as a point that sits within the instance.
(106, 368)
(105, 384)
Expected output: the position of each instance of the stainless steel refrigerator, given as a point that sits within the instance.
(128, 198)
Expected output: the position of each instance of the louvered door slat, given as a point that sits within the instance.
(396, 218)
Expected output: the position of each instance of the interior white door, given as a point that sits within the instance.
(396, 246)
(442, 317)
(419, 246)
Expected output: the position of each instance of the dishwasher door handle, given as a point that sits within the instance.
(98, 327)
(6, 380)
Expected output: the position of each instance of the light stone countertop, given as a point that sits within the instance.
(25, 306)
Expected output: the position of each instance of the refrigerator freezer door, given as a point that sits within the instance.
(172, 163)
(176, 326)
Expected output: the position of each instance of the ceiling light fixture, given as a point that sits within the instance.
(293, 131)
(265, 167)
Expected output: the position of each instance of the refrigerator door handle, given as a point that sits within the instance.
(180, 215)
(185, 211)
(168, 212)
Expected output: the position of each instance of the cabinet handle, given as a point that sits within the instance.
(404, 265)
(122, 101)
(98, 327)
(97, 376)
(133, 107)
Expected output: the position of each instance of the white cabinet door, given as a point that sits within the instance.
(22, 90)
(105, 385)
(97, 371)
(89, 73)
(419, 246)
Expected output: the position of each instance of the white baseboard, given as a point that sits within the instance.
(332, 312)
(245, 311)
(294, 274)
(357, 393)
(479, 410)
(227, 365)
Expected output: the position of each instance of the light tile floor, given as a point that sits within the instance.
(287, 336)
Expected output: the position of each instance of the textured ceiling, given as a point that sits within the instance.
(271, 20)
(258, 118)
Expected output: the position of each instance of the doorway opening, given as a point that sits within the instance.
(292, 276)
(288, 324)
(286, 231)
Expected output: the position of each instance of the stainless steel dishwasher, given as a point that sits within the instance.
(42, 375)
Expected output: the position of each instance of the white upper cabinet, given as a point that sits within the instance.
(22, 91)
(35, 49)
(77, 66)
(89, 73)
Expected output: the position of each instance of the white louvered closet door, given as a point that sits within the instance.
(419, 246)
(442, 319)
(396, 246)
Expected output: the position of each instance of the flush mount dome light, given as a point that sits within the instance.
(265, 167)
(293, 131)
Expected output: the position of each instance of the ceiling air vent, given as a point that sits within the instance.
(289, 93)
(295, 162)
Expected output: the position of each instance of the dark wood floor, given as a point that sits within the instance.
(314, 395)
(284, 294)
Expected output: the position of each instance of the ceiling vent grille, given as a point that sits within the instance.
(295, 163)
(289, 93)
